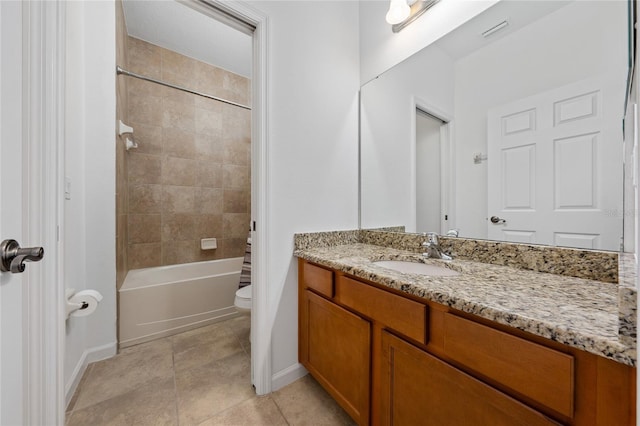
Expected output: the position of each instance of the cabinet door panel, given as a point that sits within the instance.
(337, 350)
(419, 389)
(538, 372)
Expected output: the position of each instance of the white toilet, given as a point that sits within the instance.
(243, 300)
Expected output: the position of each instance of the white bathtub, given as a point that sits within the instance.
(160, 301)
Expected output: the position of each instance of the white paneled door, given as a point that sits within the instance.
(555, 167)
(32, 301)
(12, 344)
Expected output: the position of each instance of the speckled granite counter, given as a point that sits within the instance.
(578, 312)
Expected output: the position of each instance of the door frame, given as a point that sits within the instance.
(43, 30)
(262, 312)
(447, 161)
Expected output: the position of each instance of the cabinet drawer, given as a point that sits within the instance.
(318, 279)
(398, 313)
(533, 370)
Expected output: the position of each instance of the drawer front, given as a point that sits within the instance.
(318, 279)
(538, 372)
(398, 313)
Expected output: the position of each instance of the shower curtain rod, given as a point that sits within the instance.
(120, 70)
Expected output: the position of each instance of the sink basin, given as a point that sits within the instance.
(417, 268)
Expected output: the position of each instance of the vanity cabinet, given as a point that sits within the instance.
(418, 388)
(392, 358)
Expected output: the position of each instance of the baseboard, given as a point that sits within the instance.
(287, 376)
(88, 356)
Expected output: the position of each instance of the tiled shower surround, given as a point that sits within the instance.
(189, 178)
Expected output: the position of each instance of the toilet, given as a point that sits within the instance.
(243, 300)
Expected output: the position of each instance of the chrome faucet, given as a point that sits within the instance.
(432, 247)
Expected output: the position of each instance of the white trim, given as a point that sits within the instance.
(44, 76)
(289, 375)
(447, 178)
(88, 356)
(261, 312)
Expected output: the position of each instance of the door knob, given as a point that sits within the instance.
(12, 256)
(496, 220)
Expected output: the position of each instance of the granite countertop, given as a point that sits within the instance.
(577, 312)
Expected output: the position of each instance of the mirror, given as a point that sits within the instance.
(509, 128)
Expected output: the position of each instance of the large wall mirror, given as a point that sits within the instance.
(509, 128)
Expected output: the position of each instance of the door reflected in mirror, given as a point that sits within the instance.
(524, 124)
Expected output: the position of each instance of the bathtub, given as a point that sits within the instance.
(165, 300)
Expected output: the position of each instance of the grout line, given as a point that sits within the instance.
(175, 384)
(280, 410)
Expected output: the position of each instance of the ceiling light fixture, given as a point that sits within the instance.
(403, 12)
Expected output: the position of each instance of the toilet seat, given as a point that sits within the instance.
(243, 298)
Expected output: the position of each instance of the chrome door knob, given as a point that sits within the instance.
(12, 256)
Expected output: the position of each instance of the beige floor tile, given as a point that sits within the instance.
(209, 389)
(241, 326)
(126, 371)
(304, 402)
(150, 404)
(76, 394)
(257, 411)
(204, 345)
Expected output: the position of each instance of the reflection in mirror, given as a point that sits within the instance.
(523, 123)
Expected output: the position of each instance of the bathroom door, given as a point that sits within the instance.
(31, 324)
(555, 167)
(12, 342)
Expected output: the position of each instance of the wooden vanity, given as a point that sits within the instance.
(388, 357)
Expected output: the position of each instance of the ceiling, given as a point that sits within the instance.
(177, 27)
(468, 38)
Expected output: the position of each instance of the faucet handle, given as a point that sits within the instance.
(432, 237)
(452, 232)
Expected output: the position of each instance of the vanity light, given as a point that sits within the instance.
(399, 10)
(403, 12)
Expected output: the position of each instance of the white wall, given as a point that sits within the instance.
(89, 222)
(380, 48)
(388, 134)
(541, 56)
(313, 83)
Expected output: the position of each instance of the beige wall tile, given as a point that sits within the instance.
(235, 225)
(208, 226)
(144, 58)
(209, 147)
(177, 69)
(235, 176)
(144, 228)
(176, 252)
(235, 201)
(144, 168)
(178, 143)
(144, 255)
(145, 110)
(233, 247)
(209, 174)
(211, 105)
(177, 115)
(208, 122)
(178, 171)
(178, 227)
(208, 200)
(178, 199)
(207, 78)
(139, 87)
(145, 198)
(179, 96)
(237, 151)
(148, 138)
(190, 148)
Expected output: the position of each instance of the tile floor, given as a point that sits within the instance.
(200, 377)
